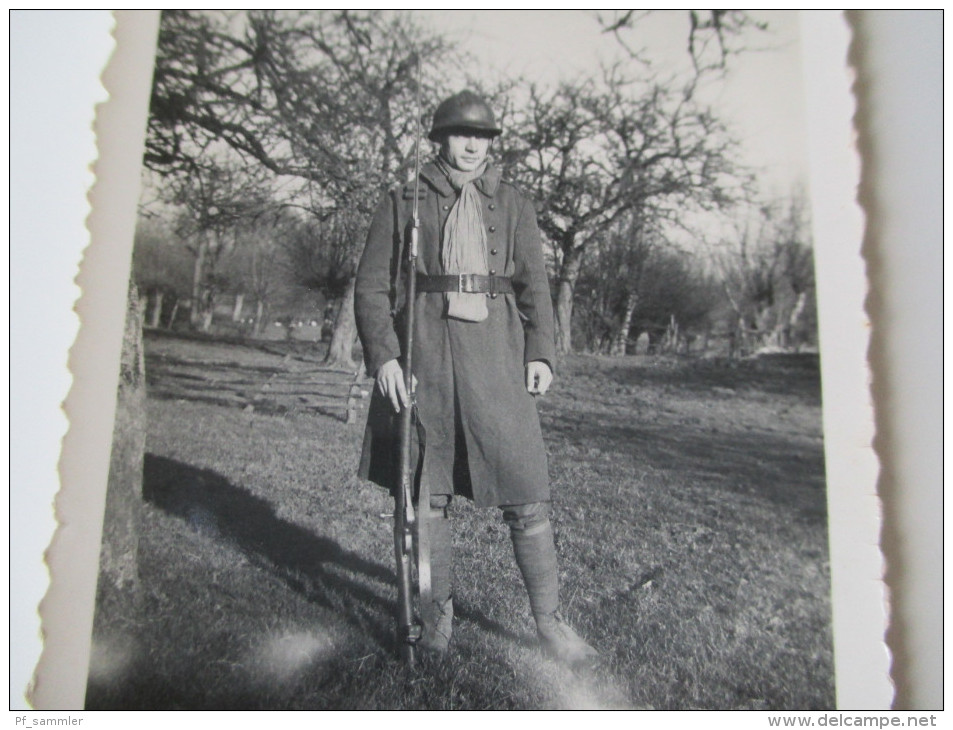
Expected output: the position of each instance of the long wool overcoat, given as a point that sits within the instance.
(478, 429)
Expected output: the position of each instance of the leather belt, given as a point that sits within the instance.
(464, 283)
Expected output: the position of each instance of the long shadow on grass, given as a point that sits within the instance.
(782, 374)
(785, 472)
(312, 565)
(212, 504)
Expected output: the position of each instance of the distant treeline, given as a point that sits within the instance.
(272, 135)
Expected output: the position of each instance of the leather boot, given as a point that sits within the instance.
(535, 552)
(558, 640)
(437, 628)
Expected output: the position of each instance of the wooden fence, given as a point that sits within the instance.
(266, 388)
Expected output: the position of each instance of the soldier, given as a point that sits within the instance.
(483, 350)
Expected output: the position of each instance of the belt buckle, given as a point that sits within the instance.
(464, 283)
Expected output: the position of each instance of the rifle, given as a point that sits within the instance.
(411, 536)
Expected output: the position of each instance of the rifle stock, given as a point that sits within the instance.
(408, 632)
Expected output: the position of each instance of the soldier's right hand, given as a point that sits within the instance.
(390, 383)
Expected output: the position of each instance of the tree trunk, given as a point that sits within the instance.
(565, 288)
(327, 323)
(207, 317)
(155, 316)
(767, 332)
(198, 278)
(237, 311)
(622, 337)
(794, 320)
(345, 332)
(740, 339)
(175, 311)
(670, 343)
(124, 485)
(259, 317)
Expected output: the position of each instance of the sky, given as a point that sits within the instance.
(761, 97)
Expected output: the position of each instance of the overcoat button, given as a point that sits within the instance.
(493, 252)
(446, 207)
(492, 229)
(493, 295)
(491, 206)
(492, 272)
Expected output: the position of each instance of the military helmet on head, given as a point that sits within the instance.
(465, 110)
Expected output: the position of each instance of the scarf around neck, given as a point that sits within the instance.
(464, 241)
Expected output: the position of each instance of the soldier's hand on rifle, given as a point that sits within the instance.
(538, 377)
(390, 382)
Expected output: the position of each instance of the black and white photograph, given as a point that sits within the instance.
(471, 361)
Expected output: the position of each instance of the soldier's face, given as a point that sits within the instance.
(466, 151)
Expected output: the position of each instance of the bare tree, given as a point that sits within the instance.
(635, 281)
(213, 202)
(321, 99)
(257, 270)
(711, 36)
(162, 271)
(768, 277)
(610, 283)
(679, 300)
(594, 152)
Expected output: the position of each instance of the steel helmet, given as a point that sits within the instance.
(465, 110)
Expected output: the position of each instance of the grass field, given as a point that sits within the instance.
(690, 518)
